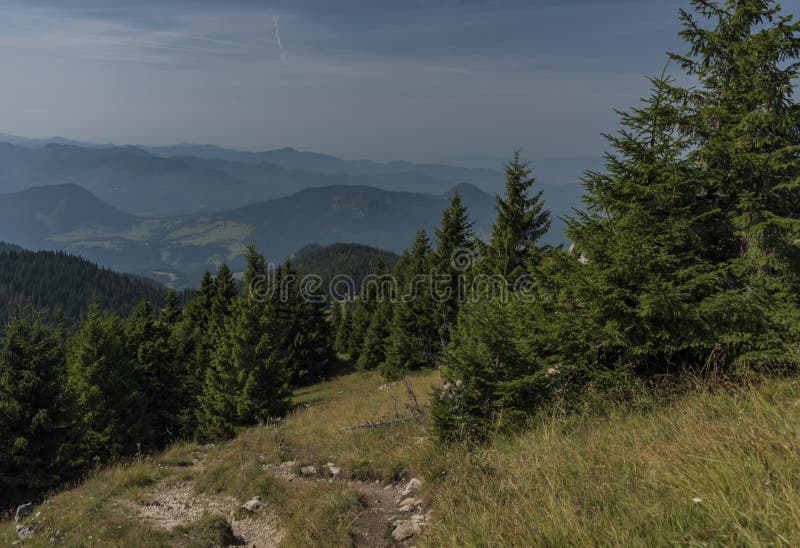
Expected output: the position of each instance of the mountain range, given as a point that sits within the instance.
(172, 212)
(177, 250)
(158, 182)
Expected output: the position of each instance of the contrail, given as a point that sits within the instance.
(278, 38)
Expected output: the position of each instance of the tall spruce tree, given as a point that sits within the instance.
(745, 55)
(379, 293)
(259, 357)
(101, 376)
(341, 342)
(261, 365)
(456, 253)
(487, 371)
(413, 340)
(193, 347)
(646, 285)
(217, 413)
(39, 432)
(171, 313)
(153, 361)
(307, 337)
(521, 221)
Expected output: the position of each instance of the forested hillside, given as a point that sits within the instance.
(353, 261)
(5, 247)
(57, 281)
(114, 387)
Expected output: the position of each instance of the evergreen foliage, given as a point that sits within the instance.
(153, 363)
(456, 253)
(686, 256)
(488, 368)
(355, 261)
(58, 281)
(413, 337)
(521, 221)
(109, 401)
(39, 432)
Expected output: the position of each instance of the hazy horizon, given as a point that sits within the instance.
(429, 82)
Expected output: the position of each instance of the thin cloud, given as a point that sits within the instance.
(278, 38)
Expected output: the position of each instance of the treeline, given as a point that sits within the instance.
(65, 285)
(115, 388)
(686, 257)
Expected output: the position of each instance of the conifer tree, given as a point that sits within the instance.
(300, 317)
(101, 376)
(171, 313)
(373, 351)
(359, 317)
(745, 55)
(254, 280)
(335, 320)
(39, 432)
(218, 413)
(193, 348)
(258, 352)
(261, 365)
(341, 343)
(521, 221)
(379, 293)
(646, 284)
(455, 254)
(222, 301)
(153, 361)
(413, 340)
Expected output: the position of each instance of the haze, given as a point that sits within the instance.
(454, 81)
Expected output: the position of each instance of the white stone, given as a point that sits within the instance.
(23, 510)
(411, 502)
(405, 530)
(254, 504)
(333, 469)
(411, 486)
(24, 531)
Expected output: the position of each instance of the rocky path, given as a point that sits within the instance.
(392, 513)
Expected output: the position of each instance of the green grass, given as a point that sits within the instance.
(631, 478)
(615, 476)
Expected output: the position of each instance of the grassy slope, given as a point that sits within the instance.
(626, 478)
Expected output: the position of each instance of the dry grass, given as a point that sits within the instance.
(631, 479)
(626, 478)
(317, 432)
(94, 514)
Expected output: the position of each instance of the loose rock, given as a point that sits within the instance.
(405, 530)
(411, 486)
(410, 502)
(23, 510)
(254, 504)
(333, 469)
(24, 531)
(309, 470)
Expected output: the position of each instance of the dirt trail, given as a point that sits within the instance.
(382, 505)
(167, 506)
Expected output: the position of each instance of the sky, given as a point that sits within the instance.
(459, 81)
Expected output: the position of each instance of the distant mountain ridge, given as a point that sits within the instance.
(177, 250)
(180, 179)
(172, 212)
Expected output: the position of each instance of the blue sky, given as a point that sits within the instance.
(425, 80)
